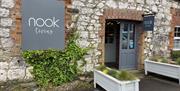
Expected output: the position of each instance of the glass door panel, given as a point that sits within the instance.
(128, 36)
(131, 36)
(124, 29)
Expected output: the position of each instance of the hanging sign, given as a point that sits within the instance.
(43, 24)
(148, 22)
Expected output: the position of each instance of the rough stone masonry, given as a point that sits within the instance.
(12, 67)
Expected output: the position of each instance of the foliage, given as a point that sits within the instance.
(113, 73)
(178, 61)
(101, 67)
(175, 55)
(124, 75)
(105, 71)
(83, 85)
(118, 74)
(55, 67)
(156, 58)
(164, 60)
(159, 59)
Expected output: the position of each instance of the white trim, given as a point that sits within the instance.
(167, 64)
(176, 49)
(176, 43)
(177, 26)
(176, 38)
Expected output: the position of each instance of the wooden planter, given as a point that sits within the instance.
(164, 69)
(110, 83)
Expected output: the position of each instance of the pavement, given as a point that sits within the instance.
(155, 83)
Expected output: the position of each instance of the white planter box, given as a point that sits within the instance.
(112, 84)
(164, 69)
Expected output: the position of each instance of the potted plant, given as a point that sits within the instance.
(115, 80)
(163, 66)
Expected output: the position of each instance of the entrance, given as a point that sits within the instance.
(127, 46)
(120, 44)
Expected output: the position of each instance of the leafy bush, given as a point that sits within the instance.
(156, 58)
(159, 59)
(124, 75)
(101, 67)
(121, 75)
(164, 60)
(113, 73)
(175, 55)
(106, 71)
(55, 67)
(178, 61)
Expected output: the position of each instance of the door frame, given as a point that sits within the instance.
(128, 14)
(114, 64)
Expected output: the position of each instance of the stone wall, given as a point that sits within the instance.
(12, 67)
(89, 25)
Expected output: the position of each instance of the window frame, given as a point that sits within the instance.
(175, 38)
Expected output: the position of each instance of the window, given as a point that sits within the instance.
(128, 36)
(177, 38)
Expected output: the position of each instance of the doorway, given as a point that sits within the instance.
(112, 43)
(120, 44)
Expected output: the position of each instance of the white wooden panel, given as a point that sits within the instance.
(111, 84)
(165, 69)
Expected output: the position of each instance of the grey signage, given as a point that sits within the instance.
(148, 23)
(43, 24)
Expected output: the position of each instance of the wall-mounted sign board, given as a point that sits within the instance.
(43, 24)
(148, 23)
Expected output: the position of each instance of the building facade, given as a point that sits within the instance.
(112, 28)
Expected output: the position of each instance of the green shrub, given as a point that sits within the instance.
(56, 67)
(101, 67)
(164, 60)
(175, 55)
(159, 59)
(113, 73)
(156, 58)
(106, 71)
(124, 75)
(178, 61)
(121, 75)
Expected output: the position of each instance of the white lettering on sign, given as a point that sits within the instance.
(40, 22)
(40, 25)
(43, 31)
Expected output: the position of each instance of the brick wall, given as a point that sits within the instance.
(174, 22)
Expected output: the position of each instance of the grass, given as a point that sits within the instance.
(120, 75)
(178, 61)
